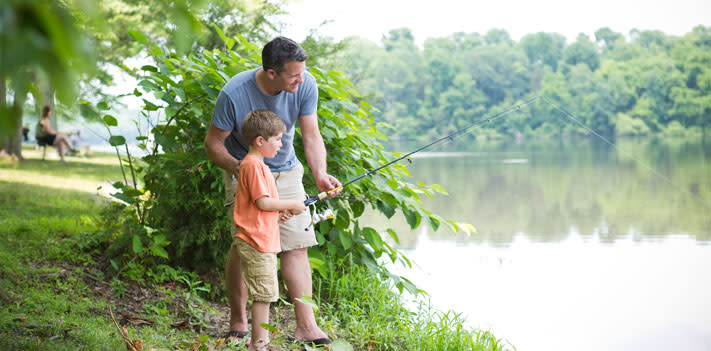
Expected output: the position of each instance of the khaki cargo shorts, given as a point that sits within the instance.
(259, 272)
(292, 235)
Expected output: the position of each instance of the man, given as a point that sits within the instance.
(282, 86)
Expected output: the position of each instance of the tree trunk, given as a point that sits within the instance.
(11, 145)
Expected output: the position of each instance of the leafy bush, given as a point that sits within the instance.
(182, 194)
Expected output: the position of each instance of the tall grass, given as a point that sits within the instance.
(372, 316)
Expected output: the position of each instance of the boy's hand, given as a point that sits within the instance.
(285, 216)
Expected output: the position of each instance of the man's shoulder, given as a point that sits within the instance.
(240, 80)
(309, 78)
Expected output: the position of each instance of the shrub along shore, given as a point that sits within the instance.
(57, 287)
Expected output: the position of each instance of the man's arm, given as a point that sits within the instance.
(216, 150)
(315, 152)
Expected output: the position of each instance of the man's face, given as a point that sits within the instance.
(292, 75)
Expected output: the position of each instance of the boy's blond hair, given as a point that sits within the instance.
(263, 123)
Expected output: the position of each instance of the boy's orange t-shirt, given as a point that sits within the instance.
(257, 227)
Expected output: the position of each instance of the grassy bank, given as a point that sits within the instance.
(56, 290)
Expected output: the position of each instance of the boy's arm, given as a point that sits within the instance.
(266, 203)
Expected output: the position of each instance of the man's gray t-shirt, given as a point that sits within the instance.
(241, 95)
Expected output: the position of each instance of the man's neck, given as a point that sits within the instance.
(265, 84)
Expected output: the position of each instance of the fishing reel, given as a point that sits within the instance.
(319, 217)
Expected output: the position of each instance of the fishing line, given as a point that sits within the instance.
(449, 137)
(637, 160)
(468, 129)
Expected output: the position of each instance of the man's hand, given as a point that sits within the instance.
(326, 182)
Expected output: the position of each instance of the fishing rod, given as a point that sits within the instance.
(449, 137)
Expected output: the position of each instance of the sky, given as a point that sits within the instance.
(427, 19)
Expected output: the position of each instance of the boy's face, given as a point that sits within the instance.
(269, 147)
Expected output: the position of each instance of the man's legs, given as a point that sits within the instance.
(296, 270)
(236, 291)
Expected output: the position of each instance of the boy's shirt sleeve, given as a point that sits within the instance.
(253, 176)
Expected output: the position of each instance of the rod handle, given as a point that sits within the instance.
(320, 196)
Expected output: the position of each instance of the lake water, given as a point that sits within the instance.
(578, 245)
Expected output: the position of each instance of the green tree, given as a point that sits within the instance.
(497, 36)
(582, 51)
(41, 46)
(608, 39)
(543, 49)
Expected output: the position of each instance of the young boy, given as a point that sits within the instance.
(256, 215)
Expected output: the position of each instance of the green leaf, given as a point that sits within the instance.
(138, 36)
(394, 235)
(117, 140)
(137, 245)
(148, 85)
(316, 263)
(408, 285)
(307, 300)
(386, 209)
(110, 121)
(438, 188)
(413, 218)
(373, 238)
(452, 226)
(358, 208)
(269, 327)
(103, 106)
(341, 345)
(131, 191)
(434, 223)
(345, 239)
(159, 251)
(149, 68)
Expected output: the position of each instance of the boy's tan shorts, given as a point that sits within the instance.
(259, 272)
(292, 235)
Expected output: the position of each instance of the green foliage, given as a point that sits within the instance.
(460, 79)
(40, 41)
(182, 194)
(630, 126)
(56, 285)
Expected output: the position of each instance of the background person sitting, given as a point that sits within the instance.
(45, 135)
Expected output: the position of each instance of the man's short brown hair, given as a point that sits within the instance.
(262, 123)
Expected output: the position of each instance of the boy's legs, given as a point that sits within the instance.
(260, 336)
(260, 276)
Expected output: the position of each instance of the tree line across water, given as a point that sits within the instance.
(644, 83)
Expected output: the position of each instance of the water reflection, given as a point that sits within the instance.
(579, 246)
(546, 191)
